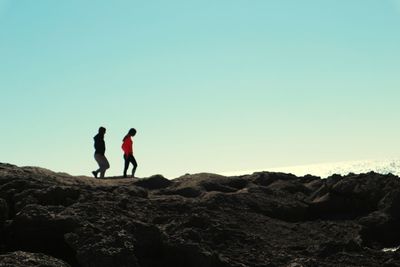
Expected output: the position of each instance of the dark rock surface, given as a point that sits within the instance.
(200, 220)
(20, 258)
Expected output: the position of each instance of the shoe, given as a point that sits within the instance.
(94, 174)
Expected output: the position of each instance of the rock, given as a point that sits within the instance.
(390, 203)
(303, 262)
(25, 259)
(211, 182)
(51, 196)
(333, 205)
(291, 186)
(198, 220)
(3, 211)
(380, 229)
(213, 186)
(154, 182)
(100, 249)
(41, 229)
(314, 185)
(262, 201)
(191, 192)
(193, 186)
(130, 191)
(266, 178)
(352, 196)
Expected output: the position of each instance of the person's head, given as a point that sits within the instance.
(132, 132)
(102, 130)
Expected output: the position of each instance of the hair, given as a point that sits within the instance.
(131, 132)
(102, 130)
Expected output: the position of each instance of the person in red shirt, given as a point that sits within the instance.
(127, 147)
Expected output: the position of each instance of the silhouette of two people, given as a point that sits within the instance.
(100, 149)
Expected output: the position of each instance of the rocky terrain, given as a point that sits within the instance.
(201, 220)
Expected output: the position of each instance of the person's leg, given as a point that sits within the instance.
(98, 160)
(104, 166)
(126, 159)
(103, 163)
(134, 163)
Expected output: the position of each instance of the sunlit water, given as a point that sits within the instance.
(327, 169)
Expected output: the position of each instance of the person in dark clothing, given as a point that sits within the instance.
(100, 149)
(127, 147)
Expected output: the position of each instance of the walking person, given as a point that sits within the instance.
(100, 149)
(127, 147)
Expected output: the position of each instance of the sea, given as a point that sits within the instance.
(325, 170)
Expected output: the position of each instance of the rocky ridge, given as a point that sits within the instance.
(200, 220)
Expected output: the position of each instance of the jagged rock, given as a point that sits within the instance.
(291, 186)
(303, 262)
(314, 184)
(154, 182)
(25, 259)
(130, 191)
(211, 182)
(51, 196)
(191, 192)
(266, 178)
(262, 201)
(199, 220)
(193, 186)
(390, 203)
(380, 229)
(353, 196)
(41, 229)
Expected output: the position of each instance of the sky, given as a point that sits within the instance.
(210, 86)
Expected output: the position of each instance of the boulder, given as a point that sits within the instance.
(154, 182)
(266, 178)
(380, 229)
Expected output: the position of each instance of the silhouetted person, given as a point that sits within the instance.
(127, 147)
(100, 149)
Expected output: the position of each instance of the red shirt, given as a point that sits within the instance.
(127, 146)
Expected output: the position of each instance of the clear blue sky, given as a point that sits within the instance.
(210, 86)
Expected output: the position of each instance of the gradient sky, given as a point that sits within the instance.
(211, 86)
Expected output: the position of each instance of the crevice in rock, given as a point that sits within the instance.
(155, 251)
(335, 207)
(316, 216)
(381, 236)
(47, 241)
(10, 206)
